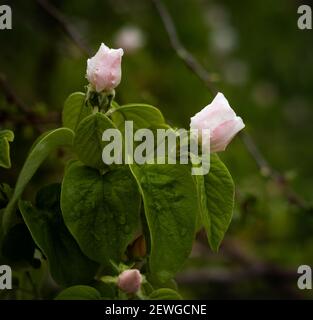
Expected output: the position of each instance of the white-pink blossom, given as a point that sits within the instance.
(104, 68)
(221, 120)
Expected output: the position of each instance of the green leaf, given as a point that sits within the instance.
(107, 290)
(170, 201)
(165, 294)
(101, 211)
(143, 116)
(88, 142)
(216, 195)
(18, 246)
(68, 265)
(5, 194)
(39, 152)
(6, 136)
(75, 110)
(79, 293)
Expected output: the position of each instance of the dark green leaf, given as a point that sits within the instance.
(68, 265)
(165, 294)
(88, 142)
(79, 293)
(101, 211)
(5, 194)
(18, 246)
(107, 290)
(170, 201)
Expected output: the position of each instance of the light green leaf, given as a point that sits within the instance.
(6, 136)
(170, 201)
(216, 195)
(68, 265)
(165, 294)
(88, 142)
(143, 116)
(39, 152)
(75, 110)
(101, 211)
(79, 293)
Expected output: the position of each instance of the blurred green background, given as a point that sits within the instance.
(257, 57)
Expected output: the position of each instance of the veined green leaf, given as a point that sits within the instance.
(75, 110)
(88, 142)
(170, 201)
(101, 211)
(216, 195)
(143, 116)
(68, 265)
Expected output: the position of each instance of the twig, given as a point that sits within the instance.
(246, 267)
(262, 163)
(281, 283)
(221, 275)
(192, 63)
(267, 171)
(13, 98)
(10, 95)
(30, 117)
(67, 27)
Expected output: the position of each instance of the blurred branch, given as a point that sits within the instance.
(245, 267)
(220, 275)
(190, 61)
(11, 96)
(67, 27)
(234, 250)
(268, 171)
(30, 117)
(281, 283)
(193, 64)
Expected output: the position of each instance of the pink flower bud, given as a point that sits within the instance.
(222, 121)
(129, 281)
(104, 68)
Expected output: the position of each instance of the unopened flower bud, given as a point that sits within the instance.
(104, 69)
(222, 121)
(129, 281)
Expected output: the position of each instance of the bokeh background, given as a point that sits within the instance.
(255, 54)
